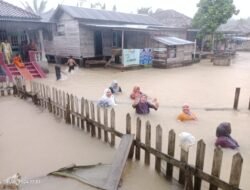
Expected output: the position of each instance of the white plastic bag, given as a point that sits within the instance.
(186, 140)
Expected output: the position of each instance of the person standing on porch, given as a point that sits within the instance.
(7, 50)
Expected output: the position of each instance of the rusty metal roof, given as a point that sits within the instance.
(12, 12)
(103, 15)
(172, 41)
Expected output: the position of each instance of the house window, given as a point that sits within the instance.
(60, 29)
(172, 52)
(117, 39)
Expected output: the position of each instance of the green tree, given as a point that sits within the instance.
(98, 4)
(37, 7)
(145, 11)
(211, 14)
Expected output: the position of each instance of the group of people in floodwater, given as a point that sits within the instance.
(142, 105)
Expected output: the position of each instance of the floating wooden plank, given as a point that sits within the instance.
(119, 162)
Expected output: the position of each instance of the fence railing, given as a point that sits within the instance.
(87, 116)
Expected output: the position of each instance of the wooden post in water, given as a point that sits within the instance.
(147, 142)
(128, 131)
(184, 159)
(236, 170)
(112, 125)
(92, 111)
(158, 146)
(82, 114)
(217, 160)
(200, 157)
(106, 137)
(99, 121)
(138, 139)
(236, 98)
(171, 151)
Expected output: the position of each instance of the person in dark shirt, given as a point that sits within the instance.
(224, 139)
(142, 106)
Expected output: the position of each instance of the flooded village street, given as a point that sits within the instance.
(35, 143)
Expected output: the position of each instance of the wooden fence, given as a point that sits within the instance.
(86, 116)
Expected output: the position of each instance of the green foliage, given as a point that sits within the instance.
(211, 14)
(145, 10)
(36, 8)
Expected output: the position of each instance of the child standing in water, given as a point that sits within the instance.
(71, 63)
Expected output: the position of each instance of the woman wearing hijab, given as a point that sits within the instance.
(224, 138)
(107, 99)
(142, 106)
(136, 93)
(115, 88)
(186, 114)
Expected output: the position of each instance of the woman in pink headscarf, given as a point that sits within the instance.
(136, 93)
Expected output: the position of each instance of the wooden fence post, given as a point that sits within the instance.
(77, 111)
(72, 107)
(68, 119)
(92, 111)
(112, 125)
(184, 159)
(87, 115)
(200, 156)
(171, 152)
(106, 137)
(147, 142)
(236, 170)
(82, 113)
(217, 160)
(128, 131)
(158, 146)
(236, 98)
(99, 121)
(138, 139)
(249, 104)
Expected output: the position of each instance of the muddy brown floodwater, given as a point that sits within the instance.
(201, 85)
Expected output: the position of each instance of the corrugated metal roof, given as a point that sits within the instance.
(172, 41)
(12, 12)
(103, 15)
(122, 26)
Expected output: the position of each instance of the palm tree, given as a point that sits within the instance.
(36, 8)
